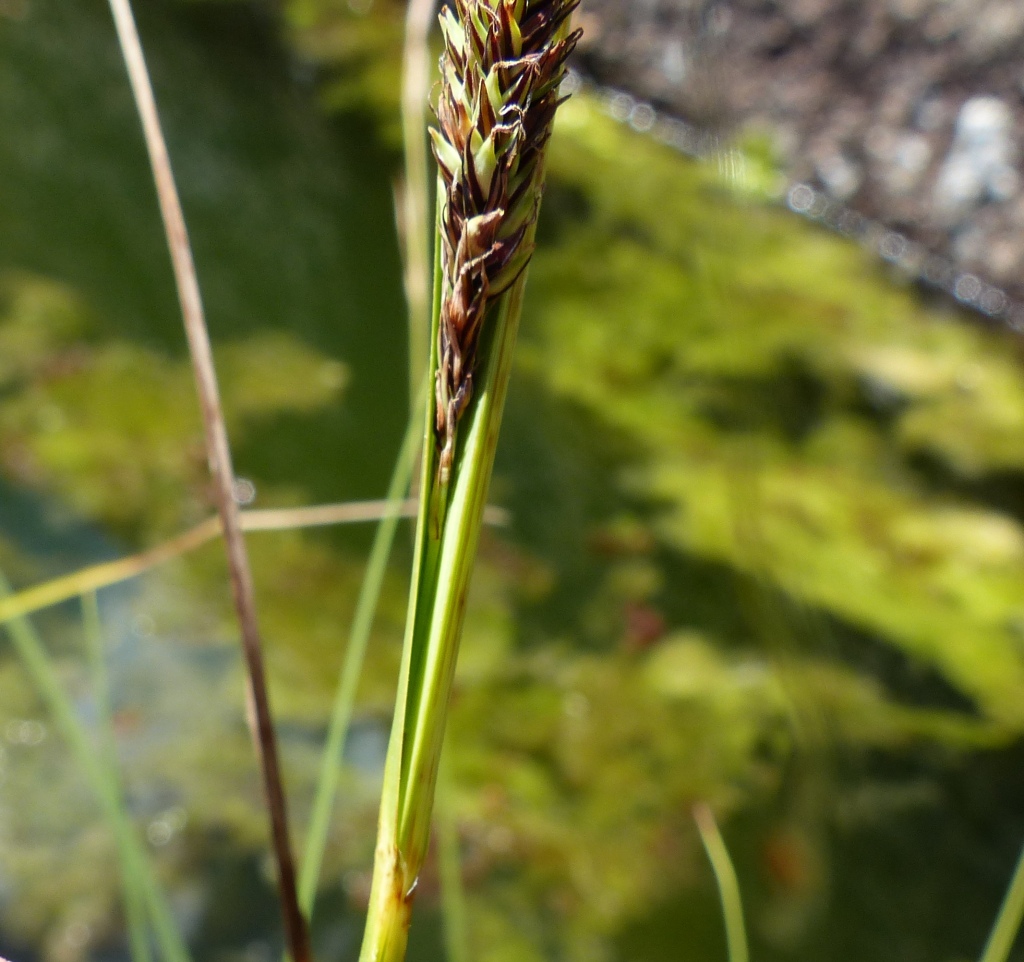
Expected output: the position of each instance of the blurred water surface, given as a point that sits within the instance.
(765, 548)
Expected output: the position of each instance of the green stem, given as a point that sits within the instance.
(1007, 923)
(489, 191)
(135, 909)
(445, 579)
(441, 573)
(37, 664)
(728, 884)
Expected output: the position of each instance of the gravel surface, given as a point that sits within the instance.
(909, 111)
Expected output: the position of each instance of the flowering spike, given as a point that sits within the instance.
(516, 36)
(451, 29)
(503, 63)
(448, 158)
(485, 163)
(493, 87)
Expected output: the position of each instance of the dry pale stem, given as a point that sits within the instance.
(219, 457)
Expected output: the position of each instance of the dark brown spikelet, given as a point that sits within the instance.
(503, 64)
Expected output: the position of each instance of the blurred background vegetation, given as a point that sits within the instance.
(765, 546)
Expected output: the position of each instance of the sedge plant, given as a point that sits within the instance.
(502, 67)
(501, 72)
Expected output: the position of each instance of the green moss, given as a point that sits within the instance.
(639, 325)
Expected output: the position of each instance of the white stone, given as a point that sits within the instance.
(980, 165)
(840, 175)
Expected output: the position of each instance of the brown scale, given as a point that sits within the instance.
(484, 225)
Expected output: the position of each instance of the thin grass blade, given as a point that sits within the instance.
(1008, 921)
(355, 654)
(103, 575)
(43, 675)
(416, 233)
(135, 909)
(728, 884)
